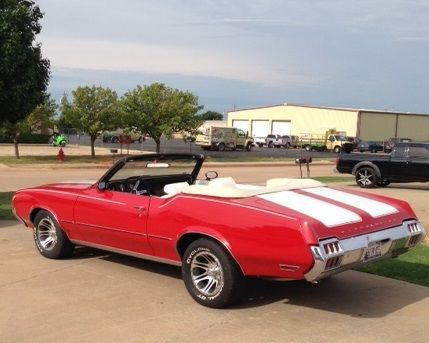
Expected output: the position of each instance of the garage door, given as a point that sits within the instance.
(281, 128)
(260, 128)
(241, 124)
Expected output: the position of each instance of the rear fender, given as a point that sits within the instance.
(366, 164)
(199, 232)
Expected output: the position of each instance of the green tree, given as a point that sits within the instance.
(93, 110)
(24, 73)
(42, 117)
(159, 110)
(211, 115)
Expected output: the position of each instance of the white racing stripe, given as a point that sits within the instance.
(374, 208)
(330, 215)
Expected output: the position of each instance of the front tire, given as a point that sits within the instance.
(249, 147)
(366, 177)
(221, 147)
(50, 239)
(337, 149)
(210, 274)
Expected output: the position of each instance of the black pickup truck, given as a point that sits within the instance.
(408, 162)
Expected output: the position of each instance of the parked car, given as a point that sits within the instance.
(114, 136)
(273, 140)
(154, 207)
(408, 162)
(259, 141)
(370, 146)
(287, 141)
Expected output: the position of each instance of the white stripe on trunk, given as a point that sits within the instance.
(374, 208)
(330, 215)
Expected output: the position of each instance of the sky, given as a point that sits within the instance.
(369, 54)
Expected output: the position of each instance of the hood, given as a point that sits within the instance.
(68, 186)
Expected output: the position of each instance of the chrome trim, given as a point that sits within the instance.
(126, 252)
(160, 237)
(111, 229)
(354, 248)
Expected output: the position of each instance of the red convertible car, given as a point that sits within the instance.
(154, 207)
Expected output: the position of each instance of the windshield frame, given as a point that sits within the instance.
(197, 158)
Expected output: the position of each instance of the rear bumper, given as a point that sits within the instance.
(332, 256)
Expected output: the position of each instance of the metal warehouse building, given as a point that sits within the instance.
(293, 119)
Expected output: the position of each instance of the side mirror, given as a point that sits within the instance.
(101, 186)
(210, 175)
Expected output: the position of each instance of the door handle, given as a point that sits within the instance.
(140, 208)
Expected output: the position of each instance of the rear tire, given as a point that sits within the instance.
(337, 149)
(249, 147)
(115, 139)
(50, 239)
(210, 274)
(221, 147)
(366, 177)
(270, 144)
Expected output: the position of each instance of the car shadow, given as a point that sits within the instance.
(82, 252)
(352, 293)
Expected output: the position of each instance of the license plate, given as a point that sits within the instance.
(373, 251)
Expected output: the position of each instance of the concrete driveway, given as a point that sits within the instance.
(103, 297)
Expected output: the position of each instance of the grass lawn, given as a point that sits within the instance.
(333, 179)
(11, 160)
(412, 266)
(5, 208)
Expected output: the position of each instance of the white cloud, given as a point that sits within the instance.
(161, 59)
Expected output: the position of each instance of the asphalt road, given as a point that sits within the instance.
(180, 146)
(103, 297)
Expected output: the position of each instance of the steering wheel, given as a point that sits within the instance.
(135, 189)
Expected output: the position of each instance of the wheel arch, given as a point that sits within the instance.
(190, 236)
(367, 164)
(35, 210)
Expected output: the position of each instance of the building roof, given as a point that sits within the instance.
(331, 108)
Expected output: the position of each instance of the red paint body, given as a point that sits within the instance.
(259, 234)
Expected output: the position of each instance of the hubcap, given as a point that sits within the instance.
(365, 177)
(207, 273)
(47, 234)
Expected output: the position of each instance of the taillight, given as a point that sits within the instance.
(414, 228)
(332, 248)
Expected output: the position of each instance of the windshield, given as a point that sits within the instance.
(155, 167)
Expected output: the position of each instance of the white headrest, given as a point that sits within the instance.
(222, 182)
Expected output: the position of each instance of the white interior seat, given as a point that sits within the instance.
(174, 188)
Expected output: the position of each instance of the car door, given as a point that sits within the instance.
(398, 168)
(418, 162)
(114, 219)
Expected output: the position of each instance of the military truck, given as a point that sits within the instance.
(222, 138)
(330, 140)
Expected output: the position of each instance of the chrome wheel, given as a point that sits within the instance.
(207, 273)
(366, 177)
(47, 234)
